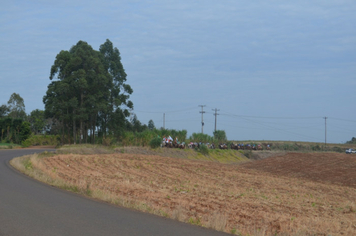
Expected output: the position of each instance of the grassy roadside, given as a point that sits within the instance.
(215, 155)
(31, 165)
(9, 146)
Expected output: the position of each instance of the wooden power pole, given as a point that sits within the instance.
(215, 114)
(202, 119)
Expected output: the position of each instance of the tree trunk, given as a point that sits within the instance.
(86, 134)
(93, 133)
(91, 130)
(94, 124)
(62, 139)
(81, 131)
(68, 130)
(81, 119)
(74, 130)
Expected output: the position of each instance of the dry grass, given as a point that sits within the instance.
(85, 149)
(9, 146)
(32, 166)
(224, 197)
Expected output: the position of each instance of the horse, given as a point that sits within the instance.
(169, 145)
(192, 145)
(181, 145)
(175, 144)
(223, 146)
(234, 146)
(248, 147)
(212, 146)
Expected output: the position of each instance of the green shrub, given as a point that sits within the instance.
(203, 149)
(316, 148)
(155, 142)
(337, 149)
(145, 137)
(352, 141)
(26, 143)
(127, 139)
(28, 164)
(248, 154)
(35, 140)
(220, 135)
(106, 141)
(199, 137)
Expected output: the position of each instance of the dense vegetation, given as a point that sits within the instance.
(352, 141)
(88, 94)
(14, 130)
(13, 126)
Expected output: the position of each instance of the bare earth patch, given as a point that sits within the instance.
(295, 194)
(334, 168)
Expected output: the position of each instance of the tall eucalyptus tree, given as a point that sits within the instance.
(16, 106)
(87, 89)
(117, 108)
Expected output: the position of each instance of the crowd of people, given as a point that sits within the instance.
(170, 142)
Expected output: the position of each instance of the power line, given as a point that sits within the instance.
(354, 121)
(187, 109)
(280, 124)
(277, 129)
(257, 117)
(269, 117)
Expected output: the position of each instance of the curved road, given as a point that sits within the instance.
(28, 207)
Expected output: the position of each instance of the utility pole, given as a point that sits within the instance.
(325, 131)
(215, 114)
(202, 120)
(164, 120)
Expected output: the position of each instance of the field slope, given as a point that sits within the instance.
(291, 194)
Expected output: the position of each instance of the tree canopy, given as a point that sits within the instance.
(4, 110)
(220, 135)
(16, 107)
(352, 141)
(88, 92)
(37, 121)
(151, 125)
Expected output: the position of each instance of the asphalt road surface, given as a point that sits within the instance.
(28, 207)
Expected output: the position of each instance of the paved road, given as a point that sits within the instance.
(28, 207)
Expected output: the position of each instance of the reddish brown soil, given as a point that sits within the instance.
(295, 194)
(334, 168)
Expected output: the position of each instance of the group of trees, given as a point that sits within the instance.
(87, 97)
(14, 126)
(218, 136)
(15, 107)
(88, 94)
(352, 141)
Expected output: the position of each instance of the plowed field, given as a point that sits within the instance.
(296, 193)
(334, 168)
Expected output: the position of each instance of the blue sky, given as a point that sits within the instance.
(274, 69)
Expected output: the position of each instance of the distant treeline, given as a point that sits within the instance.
(14, 130)
(352, 141)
